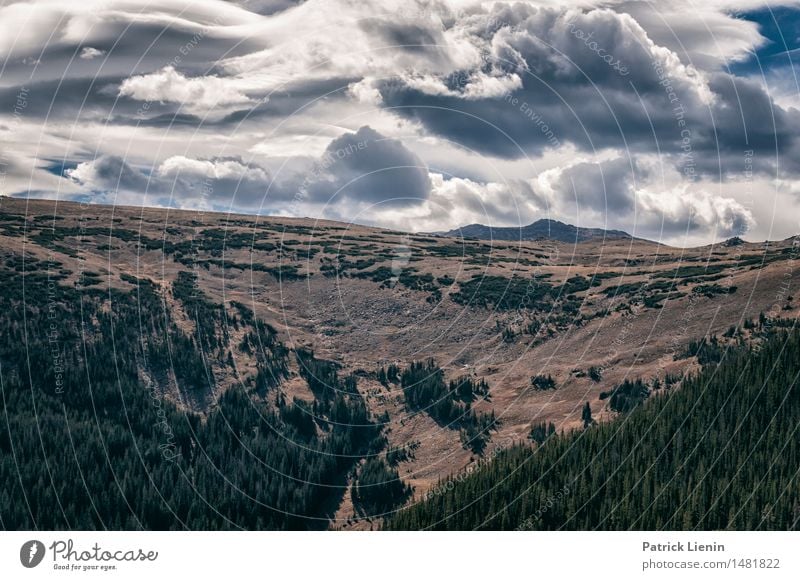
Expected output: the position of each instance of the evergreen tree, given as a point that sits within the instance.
(586, 415)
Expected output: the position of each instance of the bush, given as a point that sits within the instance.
(543, 383)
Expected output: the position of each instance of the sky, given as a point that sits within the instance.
(675, 120)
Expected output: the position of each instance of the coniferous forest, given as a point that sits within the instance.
(114, 416)
(88, 443)
(722, 452)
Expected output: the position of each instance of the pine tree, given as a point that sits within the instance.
(586, 415)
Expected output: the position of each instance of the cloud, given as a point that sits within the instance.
(643, 197)
(367, 167)
(452, 202)
(267, 7)
(193, 94)
(216, 183)
(88, 53)
(614, 193)
(421, 114)
(714, 37)
(514, 202)
(27, 26)
(414, 37)
(18, 175)
(363, 168)
(109, 173)
(599, 187)
(671, 213)
(212, 168)
(595, 80)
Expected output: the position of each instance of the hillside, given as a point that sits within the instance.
(231, 371)
(721, 453)
(540, 230)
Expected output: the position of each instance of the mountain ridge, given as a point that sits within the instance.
(544, 228)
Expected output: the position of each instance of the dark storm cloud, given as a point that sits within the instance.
(67, 98)
(115, 173)
(568, 90)
(745, 117)
(601, 187)
(292, 100)
(596, 81)
(405, 36)
(532, 120)
(743, 121)
(365, 166)
(267, 7)
(163, 119)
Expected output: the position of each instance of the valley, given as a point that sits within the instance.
(402, 358)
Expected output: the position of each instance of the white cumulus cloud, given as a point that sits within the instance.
(195, 94)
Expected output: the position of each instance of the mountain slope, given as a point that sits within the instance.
(720, 453)
(275, 373)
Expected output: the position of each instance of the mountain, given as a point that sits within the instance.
(543, 229)
(233, 371)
